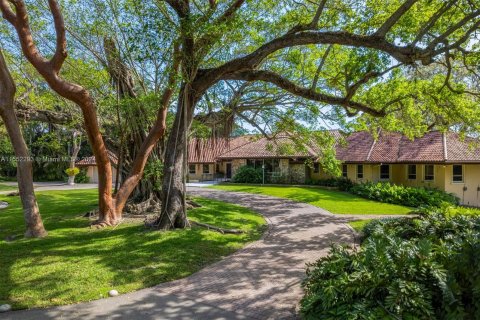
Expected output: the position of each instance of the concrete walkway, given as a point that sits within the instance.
(261, 281)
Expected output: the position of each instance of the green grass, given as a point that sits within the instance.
(76, 263)
(358, 225)
(4, 187)
(334, 201)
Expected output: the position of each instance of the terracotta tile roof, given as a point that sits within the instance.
(461, 151)
(429, 148)
(360, 147)
(207, 150)
(396, 148)
(357, 147)
(91, 161)
(262, 148)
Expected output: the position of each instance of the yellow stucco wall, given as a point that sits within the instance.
(442, 179)
(471, 180)
(237, 163)
(199, 171)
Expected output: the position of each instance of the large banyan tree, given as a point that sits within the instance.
(407, 65)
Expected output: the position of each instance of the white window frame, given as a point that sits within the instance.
(380, 172)
(425, 172)
(463, 173)
(194, 169)
(408, 173)
(363, 171)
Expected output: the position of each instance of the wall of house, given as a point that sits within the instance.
(199, 174)
(321, 175)
(237, 163)
(471, 181)
(92, 174)
(442, 179)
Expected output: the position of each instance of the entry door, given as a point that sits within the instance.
(229, 170)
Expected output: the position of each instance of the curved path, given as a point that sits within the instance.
(261, 281)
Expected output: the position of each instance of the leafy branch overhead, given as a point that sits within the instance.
(289, 65)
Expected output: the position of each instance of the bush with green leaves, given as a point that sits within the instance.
(407, 268)
(82, 176)
(407, 196)
(343, 184)
(248, 174)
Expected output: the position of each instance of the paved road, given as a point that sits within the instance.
(50, 186)
(261, 281)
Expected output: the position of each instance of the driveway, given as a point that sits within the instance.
(261, 281)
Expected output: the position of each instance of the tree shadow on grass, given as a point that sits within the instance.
(258, 282)
(76, 263)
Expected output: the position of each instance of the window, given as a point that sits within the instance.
(429, 174)
(457, 174)
(206, 168)
(384, 171)
(359, 171)
(412, 172)
(344, 171)
(316, 167)
(257, 164)
(192, 169)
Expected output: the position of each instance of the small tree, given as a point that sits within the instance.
(31, 211)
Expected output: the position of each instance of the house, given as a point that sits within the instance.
(203, 154)
(90, 164)
(436, 160)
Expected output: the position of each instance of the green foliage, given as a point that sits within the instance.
(343, 184)
(248, 174)
(72, 171)
(423, 268)
(407, 196)
(82, 177)
(154, 172)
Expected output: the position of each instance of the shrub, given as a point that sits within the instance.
(342, 184)
(408, 196)
(426, 268)
(345, 184)
(247, 174)
(82, 177)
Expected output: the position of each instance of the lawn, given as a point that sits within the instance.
(334, 201)
(358, 225)
(76, 263)
(4, 187)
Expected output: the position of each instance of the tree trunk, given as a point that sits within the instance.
(173, 214)
(31, 212)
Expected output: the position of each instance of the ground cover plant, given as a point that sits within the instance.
(76, 263)
(332, 200)
(406, 268)
(408, 196)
